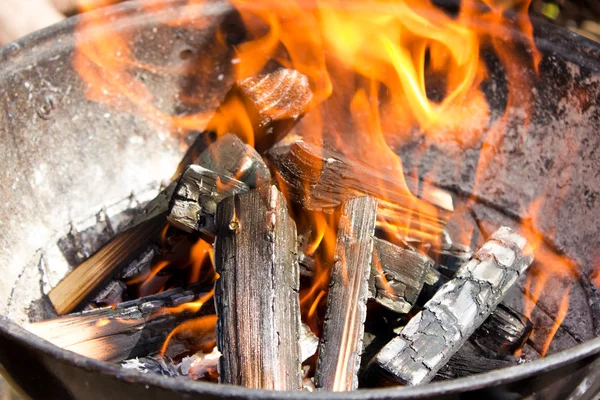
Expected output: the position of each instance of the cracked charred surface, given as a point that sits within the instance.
(195, 200)
(258, 329)
(341, 342)
(455, 311)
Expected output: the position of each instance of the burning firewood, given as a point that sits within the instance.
(341, 341)
(229, 155)
(134, 328)
(100, 267)
(455, 311)
(280, 99)
(195, 200)
(256, 294)
(397, 275)
(272, 104)
(321, 179)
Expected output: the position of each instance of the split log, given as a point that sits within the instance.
(397, 275)
(322, 179)
(98, 269)
(195, 200)
(341, 342)
(256, 295)
(269, 105)
(433, 335)
(134, 328)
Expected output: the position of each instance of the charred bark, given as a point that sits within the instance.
(455, 311)
(195, 200)
(397, 275)
(258, 329)
(341, 341)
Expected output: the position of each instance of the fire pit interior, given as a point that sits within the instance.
(303, 197)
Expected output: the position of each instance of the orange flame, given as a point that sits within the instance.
(199, 328)
(192, 306)
(560, 316)
(382, 72)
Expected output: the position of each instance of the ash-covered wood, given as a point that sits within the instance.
(504, 332)
(195, 200)
(397, 275)
(98, 269)
(341, 342)
(134, 328)
(258, 329)
(268, 105)
(433, 335)
(322, 179)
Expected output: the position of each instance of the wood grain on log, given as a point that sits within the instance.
(341, 342)
(195, 200)
(256, 295)
(131, 329)
(461, 305)
(321, 179)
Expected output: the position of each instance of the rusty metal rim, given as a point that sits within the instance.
(46, 43)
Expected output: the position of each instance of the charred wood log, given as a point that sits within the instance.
(504, 332)
(433, 335)
(321, 179)
(134, 328)
(195, 200)
(256, 295)
(469, 360)
(341, 341)
(397, 275)
(98, 269)
(229, 155)
(282, 88)
(272, 104)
